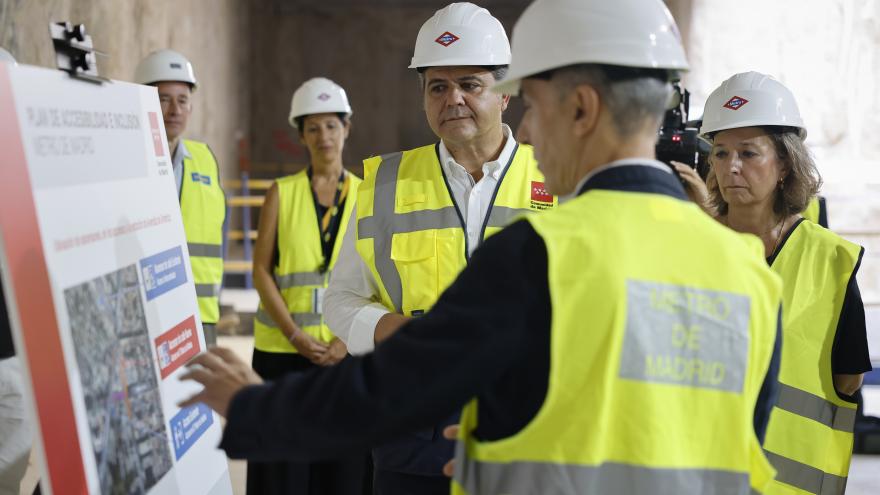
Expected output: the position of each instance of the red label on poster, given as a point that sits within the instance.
(176, 346)
(157, 136)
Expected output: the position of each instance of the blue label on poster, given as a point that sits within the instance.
(188, 425)
(163, 272)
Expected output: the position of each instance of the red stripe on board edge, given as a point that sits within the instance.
(33, 295)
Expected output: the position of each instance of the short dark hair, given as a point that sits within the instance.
(191, 86)
(802, 179)
(300, 121)
(498, 72)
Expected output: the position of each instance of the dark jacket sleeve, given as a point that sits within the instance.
(770, 388)
(418, 377)
(850, 355)
(7, 348)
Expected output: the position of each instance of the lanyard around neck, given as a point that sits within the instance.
(329, 221)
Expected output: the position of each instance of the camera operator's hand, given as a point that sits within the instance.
(696, 188)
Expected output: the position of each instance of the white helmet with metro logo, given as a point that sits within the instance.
(165, 65)
(751, 99)
(461, 34)
(552, 34)
(318, 95)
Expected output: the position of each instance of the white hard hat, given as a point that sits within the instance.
(751, 99)
(556, 33)
(318, 95)
(6, 56)
(165, 65)
(461, 34)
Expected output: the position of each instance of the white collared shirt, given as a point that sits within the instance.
(351, 303)
(180, 152)
(474, 198)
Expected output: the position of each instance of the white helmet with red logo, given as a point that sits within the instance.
(165, 65)
(552, 34)
(461, 34)
(751, 99)
(318, 95)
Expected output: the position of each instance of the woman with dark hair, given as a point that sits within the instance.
(302, 223)
(762, 178)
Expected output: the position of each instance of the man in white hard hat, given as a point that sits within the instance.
(619, 344)
(15, 426)
(421, 213)
(202, 202)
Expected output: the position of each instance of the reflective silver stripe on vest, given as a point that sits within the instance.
(501, 216)
(414, 221)
(384, 223)
(806, 477)
(301, 319)
(528, 478)
(205, 250)
(207, 290)
(797, 401)
(299, 279)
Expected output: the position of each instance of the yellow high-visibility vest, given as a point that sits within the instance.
(298, 274)
(411, 234)
(814, 212)
(810, 434)
(663, 327)
(203, 207)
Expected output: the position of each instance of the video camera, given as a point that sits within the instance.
(679, 138)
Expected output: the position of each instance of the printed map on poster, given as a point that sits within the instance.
(118, 377)
(101, 288)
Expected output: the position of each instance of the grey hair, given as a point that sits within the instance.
(498, 72)
(635, 97)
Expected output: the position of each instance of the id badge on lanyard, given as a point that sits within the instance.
(318, 300)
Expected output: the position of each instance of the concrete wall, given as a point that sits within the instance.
(211, 33)
(366, 49)
(364, 46)
(251, 56)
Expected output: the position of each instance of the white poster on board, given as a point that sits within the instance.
(100, 287)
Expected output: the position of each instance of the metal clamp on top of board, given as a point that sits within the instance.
(74, 52)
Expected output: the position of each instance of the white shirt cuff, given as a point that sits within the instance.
(361, 338)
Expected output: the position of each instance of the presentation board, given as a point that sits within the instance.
(100, 289)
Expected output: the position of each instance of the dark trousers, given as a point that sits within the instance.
(393, 483)
(331, 477)
(343, 477)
